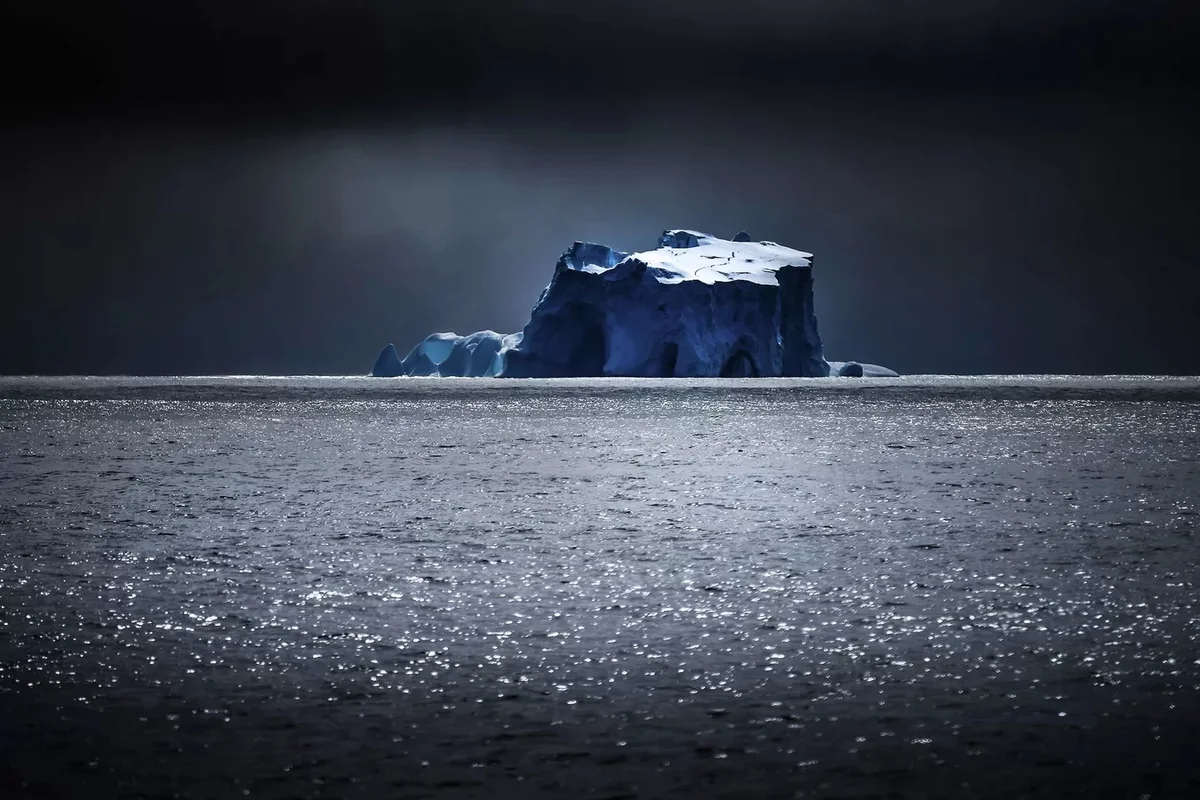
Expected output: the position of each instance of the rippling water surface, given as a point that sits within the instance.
(293, 588)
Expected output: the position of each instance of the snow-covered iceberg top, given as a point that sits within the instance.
(684, 255)
(695, 306)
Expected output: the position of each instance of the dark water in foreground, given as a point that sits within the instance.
(292, 588)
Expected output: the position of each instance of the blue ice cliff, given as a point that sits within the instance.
(696, 306)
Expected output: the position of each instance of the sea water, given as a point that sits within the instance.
(345, 587)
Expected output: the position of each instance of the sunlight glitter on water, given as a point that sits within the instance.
(696, 571)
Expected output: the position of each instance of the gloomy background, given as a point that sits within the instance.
(284, 187)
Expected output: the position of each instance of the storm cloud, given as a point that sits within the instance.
(987, 187)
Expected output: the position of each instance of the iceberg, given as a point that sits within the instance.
(855, 369)
(696, 306)
(388, 363)
(478, 355)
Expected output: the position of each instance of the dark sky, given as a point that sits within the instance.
(284, 187)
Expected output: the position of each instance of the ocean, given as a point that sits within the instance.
(359, 588)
